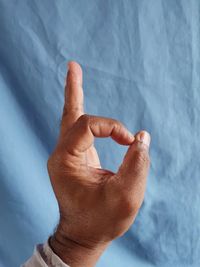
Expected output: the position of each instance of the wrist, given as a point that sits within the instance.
(74, 253)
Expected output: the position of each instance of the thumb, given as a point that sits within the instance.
(134, 169)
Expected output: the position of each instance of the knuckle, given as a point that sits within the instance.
(84, 119)
(128, 205)
(117, 124)
(74, 108)
(69, 109)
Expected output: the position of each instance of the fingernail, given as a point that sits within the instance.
(144, 137)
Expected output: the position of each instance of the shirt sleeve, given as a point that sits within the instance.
(43, 256)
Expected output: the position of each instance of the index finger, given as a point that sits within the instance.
(73, 106)
(82, 134)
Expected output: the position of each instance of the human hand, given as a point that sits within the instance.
(96, 205)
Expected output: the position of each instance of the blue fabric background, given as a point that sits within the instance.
(141, 64)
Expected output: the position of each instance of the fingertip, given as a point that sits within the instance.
(74, 67)
(143, 137)
(74, 73)
(131, 137)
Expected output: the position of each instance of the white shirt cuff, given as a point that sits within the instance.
(44, 256)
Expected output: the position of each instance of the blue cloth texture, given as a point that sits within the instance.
(141, 65)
